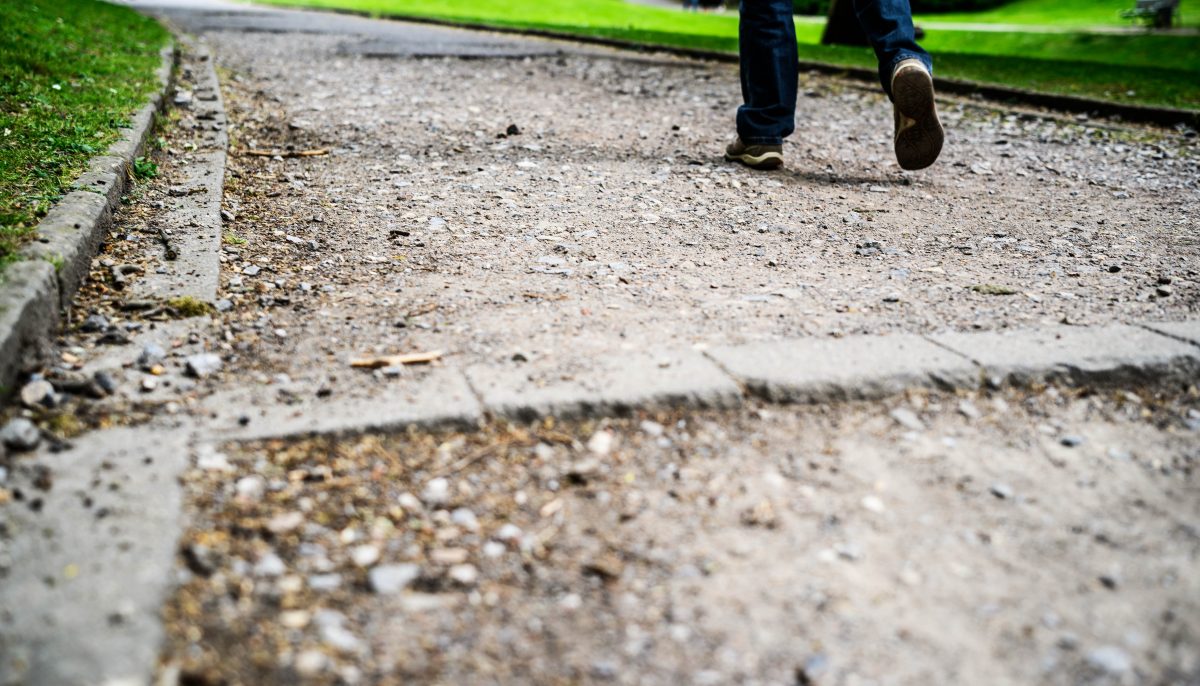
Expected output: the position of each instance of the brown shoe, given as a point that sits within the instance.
(919, 134)
(755, 156)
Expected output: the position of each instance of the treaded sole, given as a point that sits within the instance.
(919, 144)
(768, 160)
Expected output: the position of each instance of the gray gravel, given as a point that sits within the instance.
(609, 223)
(544, 207)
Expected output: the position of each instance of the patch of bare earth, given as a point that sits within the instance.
(1003, 538)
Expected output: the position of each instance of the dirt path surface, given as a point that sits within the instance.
(1006, 539)
(543, 209)
(610, 223)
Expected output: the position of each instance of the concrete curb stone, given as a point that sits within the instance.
(442, 398)
(28, 311)
(69, 236)
(1111, 354)
(853, 368)
(612, 385)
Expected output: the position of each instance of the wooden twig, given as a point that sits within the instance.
(395, 360)
(286, 153)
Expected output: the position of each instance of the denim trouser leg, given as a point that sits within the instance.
(889, 26)
(767, 48)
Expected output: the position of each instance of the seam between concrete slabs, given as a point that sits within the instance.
(72, 229)
(1186, 331)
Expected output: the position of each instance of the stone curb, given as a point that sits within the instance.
(34, 292)
(1163, 116)
(808, 371)
(611, 386)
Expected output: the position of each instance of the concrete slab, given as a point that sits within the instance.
(441, 397)
(190, 264)
(90, 555)
(1100, 354)
(605, 386)
(855, 368)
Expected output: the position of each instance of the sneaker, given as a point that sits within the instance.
(919, 134)
(755, 156)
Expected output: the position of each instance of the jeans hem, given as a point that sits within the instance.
(759, 140)
(906, 55)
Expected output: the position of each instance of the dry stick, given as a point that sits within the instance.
(396, 360)
(172, 253)
(474, 457)
(286, 153)
(424, 309)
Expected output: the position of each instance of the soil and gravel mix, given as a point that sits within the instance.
(558, 207)
(1007, 538)
(542, 211)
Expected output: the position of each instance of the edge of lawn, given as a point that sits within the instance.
(1151, 114)
(35, 289)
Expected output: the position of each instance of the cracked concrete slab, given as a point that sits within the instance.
(1097, 354)
(614, 384)
(1186, 331)
(853, 368)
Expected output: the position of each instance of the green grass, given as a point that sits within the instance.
(1144, 68)
(1062, 13)
(71, 73)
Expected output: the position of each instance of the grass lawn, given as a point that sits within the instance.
(1143, 68)
(71, 73)
(1065, 13)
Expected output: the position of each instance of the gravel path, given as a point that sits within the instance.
(537, 207)
(610, 223)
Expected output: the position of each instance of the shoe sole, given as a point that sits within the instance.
(767, 160)
(918, 144)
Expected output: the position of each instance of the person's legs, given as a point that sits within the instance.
(889, 26)
(769, 70)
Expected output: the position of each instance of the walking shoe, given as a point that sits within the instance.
(755, 156)
(919, 134)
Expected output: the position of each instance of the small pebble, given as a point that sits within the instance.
(364, 555)
(269, 564)
(39, 394)
(204, 364)
(437, 491)
(1110, 659)
(389, 579)
(907, 418)
(325, 582)
(464, 574)
(20, 434)
(601, 443)
(251, 488)
(1002, 491)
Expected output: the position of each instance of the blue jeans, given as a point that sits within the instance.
(767, 46)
